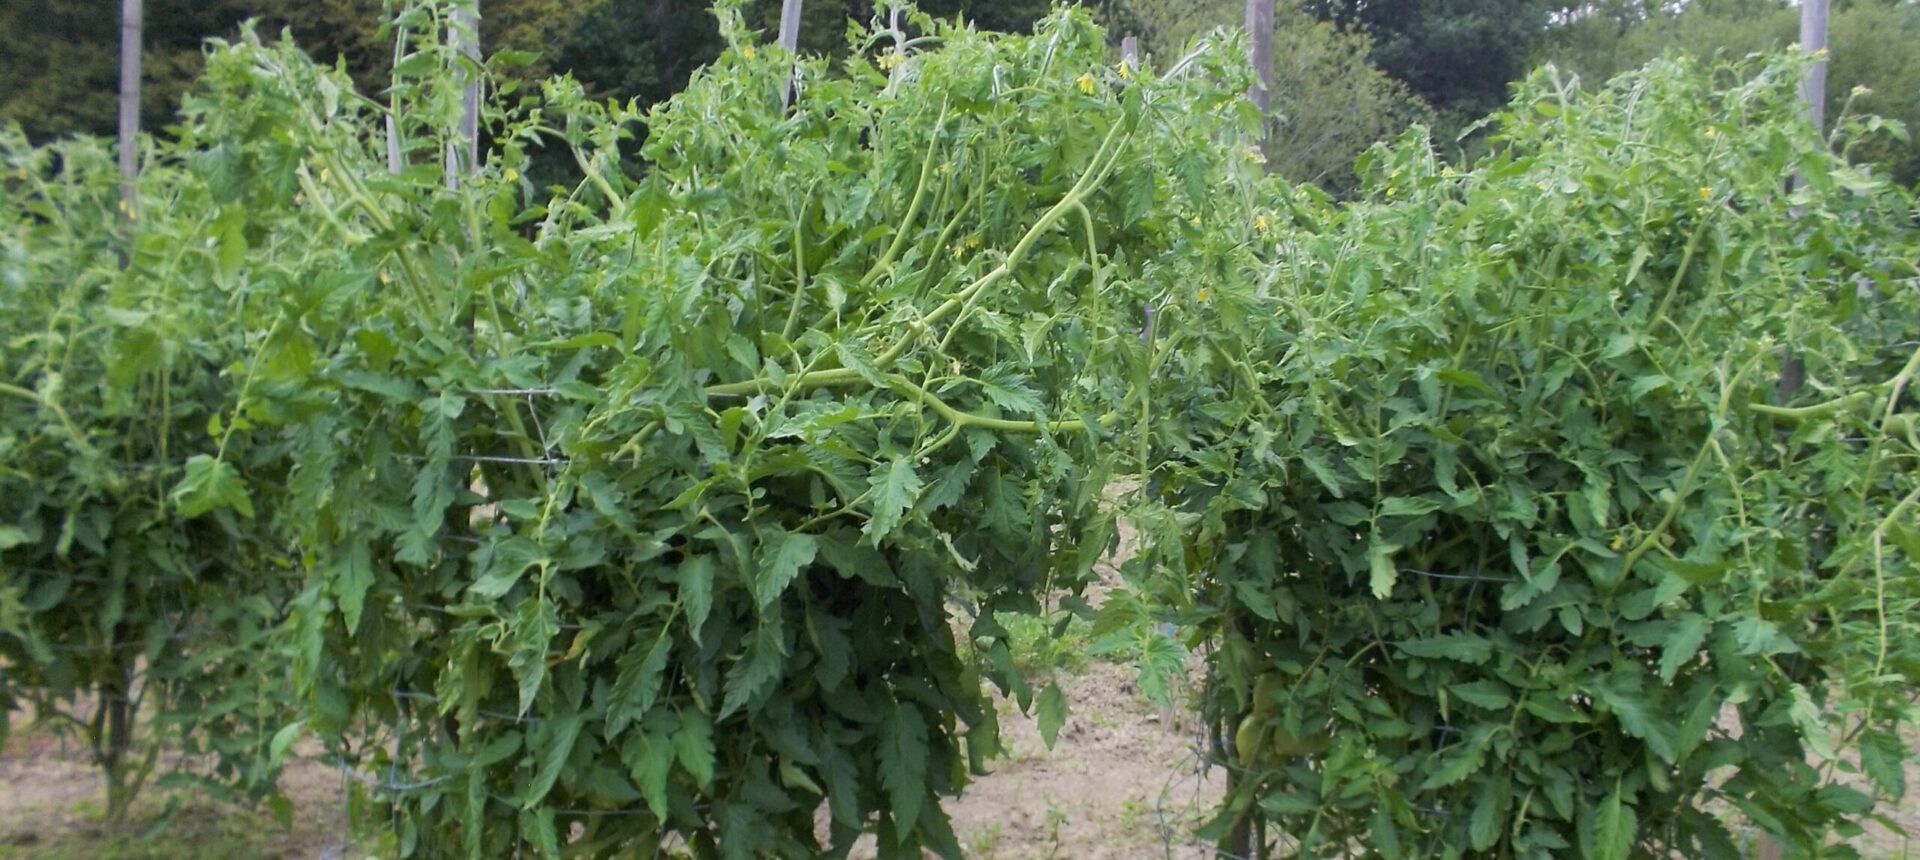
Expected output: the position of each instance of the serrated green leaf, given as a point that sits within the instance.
(1454, 766)
(780, 561)
(1636, 718)
(1689, 631)
(208, 485)
(649, 757)
(552, 740)
(1010, 391)
(1615, 829)
(757, 669)
(693, 747)
(1464, 647)
(1484, 693)
(1382, 574)
(638, 684)
(856, 358)
(352, 577)
(893, 489)
(903, 766)
(1404, 506)
(695, 577)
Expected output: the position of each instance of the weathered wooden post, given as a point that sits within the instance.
(790, 40)
(1260, 52)
(1813, 91)
(393, 108)
(130, 41)
(1246, 838)
(1813, 40)
(465, 38)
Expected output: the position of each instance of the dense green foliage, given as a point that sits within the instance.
(1512, 543)
(62, 68)
(1874, 46)
(1549, 507)
(641, 506)
(1457, 55)
(118, 586)
(1328, 102)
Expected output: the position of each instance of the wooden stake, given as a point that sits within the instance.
(790, 40)
(1260, 52)
(130, 40)
(790, 25)
(466, 41)
(393, 108)
(1813, 40)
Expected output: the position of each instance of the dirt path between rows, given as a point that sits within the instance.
(1121, 783)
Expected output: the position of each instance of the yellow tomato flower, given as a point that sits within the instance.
(1125, 71)
(747, 52)
(384, 280)
(889, 60)
(1262, 223)
(512, 175)
(1712, 133)
(1705, 192)
(1859, 91)
(1203, 294)
(1084, 82)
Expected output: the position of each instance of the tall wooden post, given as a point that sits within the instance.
(130, 41)
(466, 41)
(1130, 51)
(393, 108)
(1813, 40)
(790, 40)
(790, 25)
(1260, 52)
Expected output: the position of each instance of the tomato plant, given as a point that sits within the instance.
(1512, 529)
(650, 505)
(138, 586)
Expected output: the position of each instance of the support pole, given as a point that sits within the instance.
(1813, 40)
(393, 108)
(130, 41)
(790, 40)
(466, 41)
(790, 25)
(1260, 53)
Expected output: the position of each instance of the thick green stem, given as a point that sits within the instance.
(52, 407)
(1101, 166)
(1805, 413)
(885, 263)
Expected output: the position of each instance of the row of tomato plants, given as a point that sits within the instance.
(691, 499)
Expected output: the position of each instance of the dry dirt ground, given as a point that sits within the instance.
(1121, 783)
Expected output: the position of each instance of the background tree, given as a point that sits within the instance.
(1457, 55)
(1874, 46)
(1329, 101)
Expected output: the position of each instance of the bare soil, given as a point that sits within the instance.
(1124, 781)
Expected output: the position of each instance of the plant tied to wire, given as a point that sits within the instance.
(688, 502)
(1510, 545)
